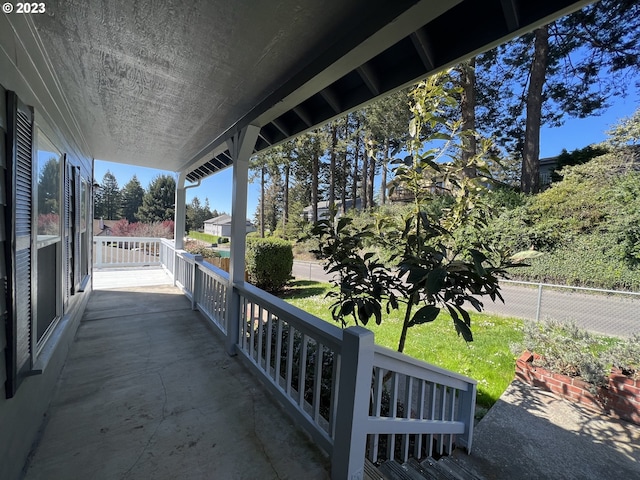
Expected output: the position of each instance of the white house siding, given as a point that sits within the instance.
(22, 412)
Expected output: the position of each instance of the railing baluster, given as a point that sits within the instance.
(335, 392)
(443, 406)
(393, 413)
(278, 352)
(290, 348)
(407, 414)
(259, 327)
(267, 360)
(317, 381)
(302, 370)
(378, 378)
(252, 329)
(420, 414)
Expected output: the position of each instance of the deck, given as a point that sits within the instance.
(149, 392)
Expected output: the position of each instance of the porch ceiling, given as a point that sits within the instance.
(164, 84)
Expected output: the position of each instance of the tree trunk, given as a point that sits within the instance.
(530, 182)
(262, 169)
(372, 178)
(383, 180)
(363, 183)
(314, 186)
(356, 155)
(332, 161)
(468, 110)
(345, 177)
(285, 212)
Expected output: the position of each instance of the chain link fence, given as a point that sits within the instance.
(607, 312)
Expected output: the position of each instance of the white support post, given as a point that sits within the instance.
(356, 371)
(241, 148)
(180, 212)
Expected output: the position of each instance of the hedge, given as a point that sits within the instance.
(269, 262)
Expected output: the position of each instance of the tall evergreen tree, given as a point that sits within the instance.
(107, 201)
(49, 187)
(158, 201)
(131, 199)
(572, 66)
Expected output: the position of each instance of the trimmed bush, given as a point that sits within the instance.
(269, 263)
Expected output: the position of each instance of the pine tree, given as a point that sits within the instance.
(158, 201)
(107, 202)
(572, 66)
(131, 199)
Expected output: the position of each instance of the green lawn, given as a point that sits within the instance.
(487, 359)
(205, 237)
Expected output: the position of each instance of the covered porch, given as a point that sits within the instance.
(149, 392)
(195, 89)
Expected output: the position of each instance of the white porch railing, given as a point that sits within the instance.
(355, 399)
(126, 251)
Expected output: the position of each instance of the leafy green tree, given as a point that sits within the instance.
(386, 123)
(197, 214)
(576, 157)
(625, 132)
(131, 198)
(436, 269)
(108, 199)
(158, 201)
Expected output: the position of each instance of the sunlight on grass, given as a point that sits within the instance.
(487, 359)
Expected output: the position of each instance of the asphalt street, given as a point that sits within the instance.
(607, 314)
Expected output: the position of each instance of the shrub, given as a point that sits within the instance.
(269, 263)
(574, 352)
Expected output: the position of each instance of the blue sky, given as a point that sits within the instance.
(575, 133)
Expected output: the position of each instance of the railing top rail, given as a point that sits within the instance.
(188, 257)
(571, 287)
(111, 238)
(213, 270)
(404, 364)
(329, 335)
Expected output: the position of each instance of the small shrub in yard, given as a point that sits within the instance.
(269, 263)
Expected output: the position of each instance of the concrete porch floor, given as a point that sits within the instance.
(149, 392)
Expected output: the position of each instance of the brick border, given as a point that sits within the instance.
(620, 398)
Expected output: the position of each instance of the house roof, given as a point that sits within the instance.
(165, 85)
(223, 220)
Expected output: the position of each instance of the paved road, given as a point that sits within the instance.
(617, 315)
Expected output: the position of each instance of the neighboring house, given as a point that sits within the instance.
(547, 166)
(101, 228)
(221, 226)
(323, 209)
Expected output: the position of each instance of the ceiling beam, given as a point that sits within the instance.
(304, 115)
(423, 47)
(369, 78)
(510, 10)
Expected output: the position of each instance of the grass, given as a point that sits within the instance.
(205, 237)
(487, 359)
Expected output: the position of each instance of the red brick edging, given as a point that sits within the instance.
(620, 398)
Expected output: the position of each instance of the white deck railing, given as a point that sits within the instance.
(356, 399)
(126, 251)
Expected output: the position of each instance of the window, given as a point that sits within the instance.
(48, 201)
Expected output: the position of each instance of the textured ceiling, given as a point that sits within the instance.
(163, 83)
